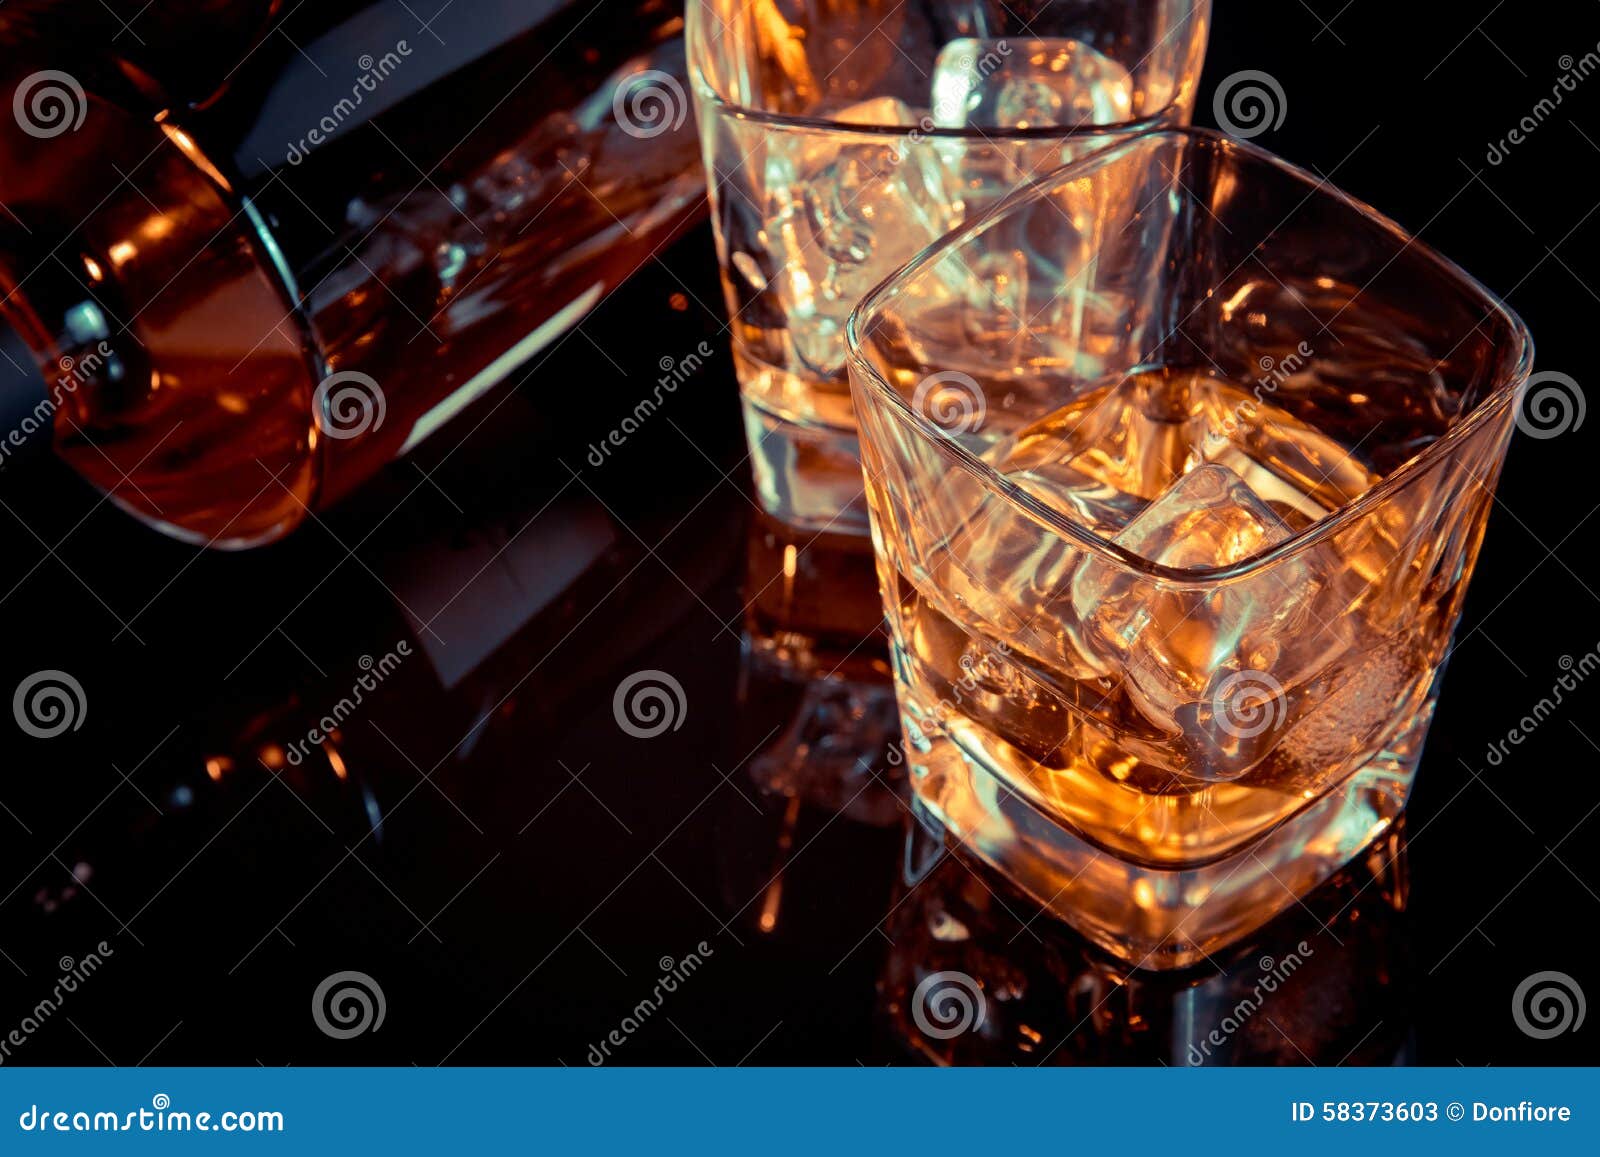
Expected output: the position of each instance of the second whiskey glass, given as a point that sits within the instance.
(842, 137)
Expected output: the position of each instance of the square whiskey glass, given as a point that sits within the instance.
(1178, 463)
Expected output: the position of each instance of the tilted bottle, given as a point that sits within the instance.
(238, 278)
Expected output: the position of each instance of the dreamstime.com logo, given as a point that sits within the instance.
(947, 1004)
(347, 404)
(1249, 103)
(348, 1004)
(951, 400)
(1548, 1004)
(160, 1117)
(49, 703)
(49, 103)
(649, 103)
(649, 703)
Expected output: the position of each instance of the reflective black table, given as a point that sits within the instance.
(390, 745)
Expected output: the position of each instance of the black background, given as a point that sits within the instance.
(526, 883)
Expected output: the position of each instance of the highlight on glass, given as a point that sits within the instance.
(1178, 465)
(842, 138)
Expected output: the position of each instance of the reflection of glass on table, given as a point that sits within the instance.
(976, 974)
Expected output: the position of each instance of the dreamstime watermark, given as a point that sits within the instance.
(946, 1004)
(1576, 671)
(952, 98)
(649, 103)
(1274, 372)
(160, 1117)
(977, 671)
(915, 135)
(951, 102)
(673, 974)
(1248, 703)
(980, 673)
(1573, 72)
(73, 372)
(49, 703)
(649, 703)
(347, 404)
(1550, 404)
(1249, 103)
(73, 975)
(1274, 974)
(1548, 1004)
(348, 1004)
(374, 71)
(374, 672)
(674, 372)
(49, 103)
(959, 79)
(951, 400)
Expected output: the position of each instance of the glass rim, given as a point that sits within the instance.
(1335, 520)
(706, 93)
(1138, 126)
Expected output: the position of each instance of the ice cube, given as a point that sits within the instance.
(1104, 456)
(844, 212)
(983, 85)
(1005, 84)
(1347, 725)
(880, 110)
(1012, 84)
(1216, 664)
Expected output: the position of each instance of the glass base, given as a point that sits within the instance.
(808, 475)
(812, 603)
(1151, 917)
(1328, 981)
